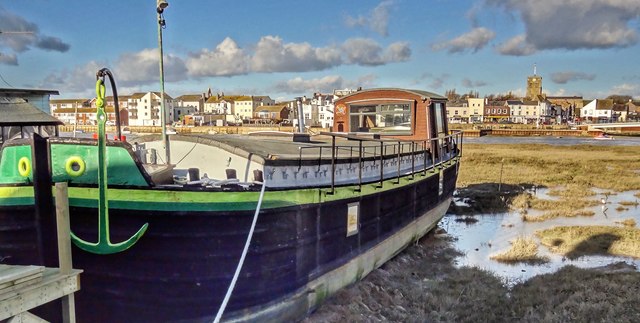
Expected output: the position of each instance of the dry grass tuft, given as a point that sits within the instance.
(523, 250)
(572, 191)
(557, 214)
(628, 222)
(629, 203)
(577, 241)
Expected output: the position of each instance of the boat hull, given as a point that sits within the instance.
(180, 269)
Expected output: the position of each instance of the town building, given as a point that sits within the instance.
(144, 109)
(496, 111)
(476, 109)
(526, 112)
(458, 112)
(191, 102)
(534, 87)
(598, 111)
(275, 113)
(322, 107)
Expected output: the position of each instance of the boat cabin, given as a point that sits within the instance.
(396, 113)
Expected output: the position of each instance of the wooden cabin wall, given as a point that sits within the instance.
(419, 108)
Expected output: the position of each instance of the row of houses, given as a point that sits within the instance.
(143, 109)
(545, 110)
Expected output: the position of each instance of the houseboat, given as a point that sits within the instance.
(168, 243)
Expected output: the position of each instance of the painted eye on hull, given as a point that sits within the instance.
(75, 166)
(24, 167)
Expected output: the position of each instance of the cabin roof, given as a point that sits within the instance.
(17, 111)
(421, 93)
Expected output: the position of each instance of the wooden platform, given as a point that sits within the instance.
(23, 288)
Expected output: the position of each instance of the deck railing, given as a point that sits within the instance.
(441, 149)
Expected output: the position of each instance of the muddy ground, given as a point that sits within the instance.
(423, 284)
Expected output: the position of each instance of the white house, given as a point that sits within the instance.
(458, 112)
(476, 109)
(598, 111)
(144, 109)
(527, 112)
(322, 106)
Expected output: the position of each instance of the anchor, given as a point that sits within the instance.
(104, 246)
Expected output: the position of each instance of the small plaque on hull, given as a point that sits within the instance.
(353, 212)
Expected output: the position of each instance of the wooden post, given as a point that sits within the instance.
(64, 247)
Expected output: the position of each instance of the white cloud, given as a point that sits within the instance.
(272, 55)
(472, 84)
(325, 84)
(584, 24)
(569, 76)
(364, 51)
(626, 89)
(31, 36)
(10, 59)
(517, 46)
(377, 19)
(80, 80)
(143, 67)
(474, 40)
(300, 85)
(435, 81)
(226, 59)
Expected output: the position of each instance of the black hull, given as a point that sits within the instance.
(181, 269)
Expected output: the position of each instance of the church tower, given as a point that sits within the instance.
(534, 86)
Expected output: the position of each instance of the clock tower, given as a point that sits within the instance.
(534, 86)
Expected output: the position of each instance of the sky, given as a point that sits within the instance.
(288, 48)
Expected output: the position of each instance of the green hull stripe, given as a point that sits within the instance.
(146, 199)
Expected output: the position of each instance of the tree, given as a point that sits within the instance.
(452, 95)
(619, 99)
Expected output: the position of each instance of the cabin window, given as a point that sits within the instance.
(440, 129)
(381, 118)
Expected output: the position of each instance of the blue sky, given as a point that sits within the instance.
(291, 48)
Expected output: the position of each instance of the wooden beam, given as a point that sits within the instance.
(64, 247)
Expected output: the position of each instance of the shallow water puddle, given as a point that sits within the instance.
(492, 233)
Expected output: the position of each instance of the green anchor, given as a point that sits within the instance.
(104, 246)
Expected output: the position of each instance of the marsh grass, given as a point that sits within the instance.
(523, 250)
(556, 214)
(584, 166)
(629, 203)
(628, 222)
(577, 241)
(567, 206)
(571, 191)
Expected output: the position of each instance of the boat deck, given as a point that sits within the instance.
(319, 147)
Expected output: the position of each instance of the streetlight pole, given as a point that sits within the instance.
(161, 5)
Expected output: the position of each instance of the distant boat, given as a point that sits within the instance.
(603, 136)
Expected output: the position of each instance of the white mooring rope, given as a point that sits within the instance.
(244, 254)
